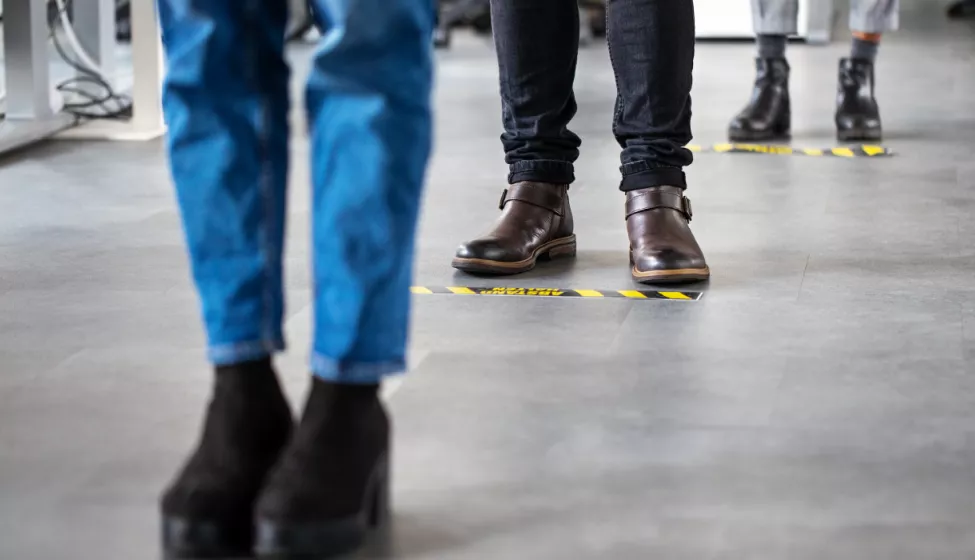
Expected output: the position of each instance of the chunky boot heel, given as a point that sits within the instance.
(380, 501)
(768, 115)
(561, 248)
(324, 539)
(783, 129)
(332, 485)
(207, 512)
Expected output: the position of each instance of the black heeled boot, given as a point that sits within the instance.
(857, 112)
(332, 484)
(768, 115)
(208, 511)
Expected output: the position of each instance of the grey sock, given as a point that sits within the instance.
(771, 46)
(864, 50)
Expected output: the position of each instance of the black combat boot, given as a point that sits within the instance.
(857, 113)
(768, 115)
(208, 511)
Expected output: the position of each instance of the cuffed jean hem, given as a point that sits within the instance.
(776, 28)
(239, 352)
(542, 171)
(869, 23)
(642, 175)
(355, 373)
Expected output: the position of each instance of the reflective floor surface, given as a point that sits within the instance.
(818, 401)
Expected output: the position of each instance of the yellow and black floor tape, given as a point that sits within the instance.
(554, 292)
(864, 150)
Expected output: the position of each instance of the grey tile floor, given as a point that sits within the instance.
(819, 402)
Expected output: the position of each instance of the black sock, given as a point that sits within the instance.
(864, 50)
(771, 46)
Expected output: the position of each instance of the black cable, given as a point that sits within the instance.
(122, 103)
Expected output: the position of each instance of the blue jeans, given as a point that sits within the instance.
(368, 104)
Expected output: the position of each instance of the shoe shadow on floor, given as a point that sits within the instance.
(598, 270)
(401, 537)
(407, 537)
(544, 511)
(825, 137)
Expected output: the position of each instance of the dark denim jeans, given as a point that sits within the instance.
(368, 106)
(651, 44)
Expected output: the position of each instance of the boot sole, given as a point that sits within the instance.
(859, 135)
(564, 247)
(760, 136)
(188, 538)
(277, 540)
(676, 276)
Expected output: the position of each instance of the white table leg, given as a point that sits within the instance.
(30, 114)
(147, 70)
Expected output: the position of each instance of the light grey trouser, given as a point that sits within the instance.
(780, 17)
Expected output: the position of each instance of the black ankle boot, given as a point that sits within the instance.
(332, 484)
(207, 512)
(857, 113)
(768, 115)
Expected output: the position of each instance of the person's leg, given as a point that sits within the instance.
(368, 105)
(768, 113)
(651, 45)
(226, 104)
(874, 17)
(537, 44)
(869, 19)
(857, 112)
(775, 17)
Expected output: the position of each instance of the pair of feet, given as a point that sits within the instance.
(536, 223)
(768, 115)
(257, 483)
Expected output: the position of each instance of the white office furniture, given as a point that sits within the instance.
(33, 107)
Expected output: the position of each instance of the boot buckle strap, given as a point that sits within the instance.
(650, 200)
(546, 197)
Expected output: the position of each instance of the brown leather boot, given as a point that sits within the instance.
(535, 223)
(662, 247)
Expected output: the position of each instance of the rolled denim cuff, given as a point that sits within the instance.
(238, 352)
(775, 17)
(643, 175)
(365, 373)
(541, 171)
(876, 16)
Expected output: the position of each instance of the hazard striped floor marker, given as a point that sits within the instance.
(865, 150)
(554, 292)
